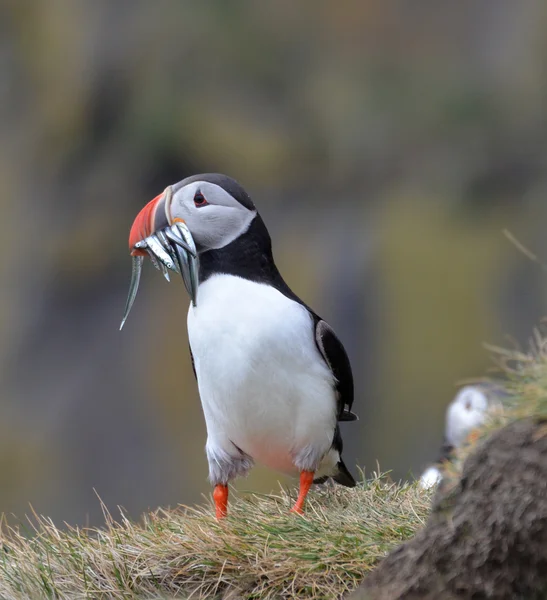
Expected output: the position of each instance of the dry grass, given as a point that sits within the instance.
(260, 551)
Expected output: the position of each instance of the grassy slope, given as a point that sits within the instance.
(260, 551)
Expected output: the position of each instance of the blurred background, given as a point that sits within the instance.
(387, 146)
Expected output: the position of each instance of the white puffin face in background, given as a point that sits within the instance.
(213, 216)
(430, 478)
(467, 411)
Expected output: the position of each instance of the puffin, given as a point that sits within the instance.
(468, 410)
(274, 380)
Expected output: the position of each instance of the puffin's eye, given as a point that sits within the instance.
(199, 200)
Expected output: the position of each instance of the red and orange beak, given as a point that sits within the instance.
(169, 246)
(143, 225)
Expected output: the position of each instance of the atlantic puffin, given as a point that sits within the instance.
(274, 379)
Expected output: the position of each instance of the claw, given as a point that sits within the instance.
(133, 287)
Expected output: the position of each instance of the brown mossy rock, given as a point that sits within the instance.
(487, 536)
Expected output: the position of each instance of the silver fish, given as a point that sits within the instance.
(191, 281)
(172, 248)
(133, 286)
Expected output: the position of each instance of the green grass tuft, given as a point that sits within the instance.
(260, 551)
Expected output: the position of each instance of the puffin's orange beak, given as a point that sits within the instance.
(170, 247)
(143, 226)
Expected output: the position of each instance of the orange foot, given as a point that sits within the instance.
(220, 496)
(306, 479)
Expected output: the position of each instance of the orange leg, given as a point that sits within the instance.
(220, 496)
(306, 479)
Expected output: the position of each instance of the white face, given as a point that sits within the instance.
(212, 215)
(430, 478)
(467, 411)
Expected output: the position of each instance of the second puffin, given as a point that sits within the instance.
(273, 378)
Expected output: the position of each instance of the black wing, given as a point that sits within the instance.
(336, 358)
(192, 359)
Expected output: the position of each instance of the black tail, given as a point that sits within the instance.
(341, 476)
(347, 415)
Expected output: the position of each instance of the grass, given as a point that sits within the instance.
(260, 551)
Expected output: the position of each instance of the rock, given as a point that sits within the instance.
(487, 536)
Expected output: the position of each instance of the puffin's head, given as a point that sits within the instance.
(466, 412)
(214, 207)
(200, 213)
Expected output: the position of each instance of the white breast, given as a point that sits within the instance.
(263, 384)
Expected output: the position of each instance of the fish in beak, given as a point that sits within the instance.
(169, 245)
